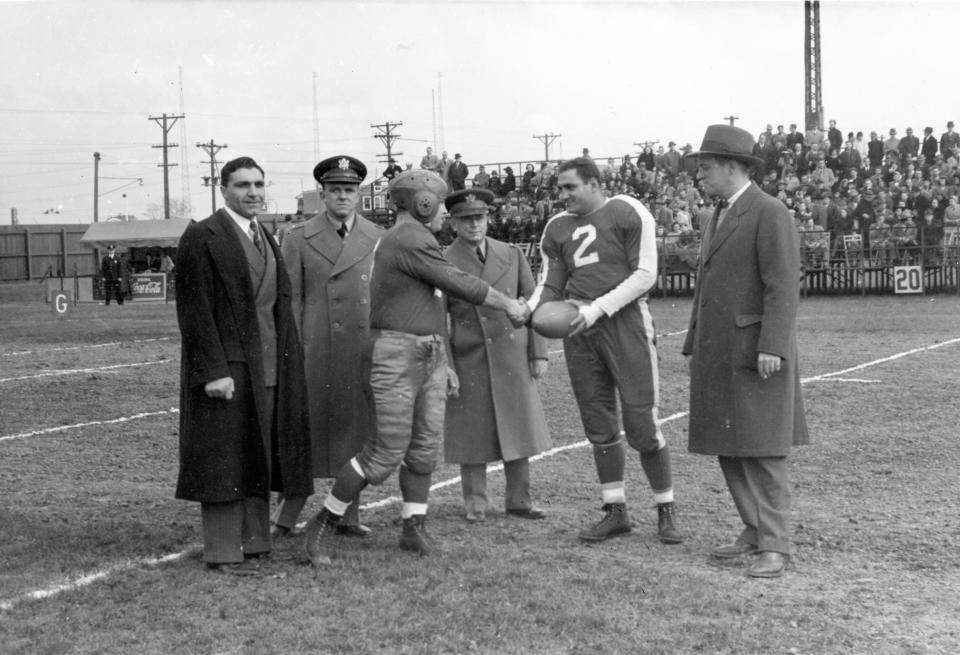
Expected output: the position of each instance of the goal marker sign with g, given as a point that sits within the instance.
(907, 279)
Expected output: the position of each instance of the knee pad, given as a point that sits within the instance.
(418, 467)
(615, 441)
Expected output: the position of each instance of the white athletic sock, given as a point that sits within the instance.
(409, 509)
(356, 467)
(613, 492)
(336, 506)
(660, 497)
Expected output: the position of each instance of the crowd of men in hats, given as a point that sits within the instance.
(900, 195)
(354, 352)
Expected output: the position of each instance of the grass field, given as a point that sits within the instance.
(87, 510)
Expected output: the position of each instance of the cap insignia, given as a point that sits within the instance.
(344, 163)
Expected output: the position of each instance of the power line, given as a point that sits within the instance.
(162, 122)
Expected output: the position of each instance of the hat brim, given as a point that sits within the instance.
(744, 158)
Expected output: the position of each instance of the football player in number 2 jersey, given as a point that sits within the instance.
(601, 255)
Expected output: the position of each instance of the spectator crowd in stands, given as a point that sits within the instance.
(889, 197)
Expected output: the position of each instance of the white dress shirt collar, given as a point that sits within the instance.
(242, 223)
(349, 222)
(732, 199)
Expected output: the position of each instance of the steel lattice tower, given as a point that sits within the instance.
(813, 95)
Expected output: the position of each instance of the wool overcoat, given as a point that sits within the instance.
(498, 414)
(330, 280)
(745, 302)
(228, 449)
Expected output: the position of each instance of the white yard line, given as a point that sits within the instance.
(77, 426)
(852, 380)
(92, 345)
(87, 579)
(883, 360)
(72, 371)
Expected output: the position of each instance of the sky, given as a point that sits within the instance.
(85, 77)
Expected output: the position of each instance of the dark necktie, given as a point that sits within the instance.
(480, 255)
(721, 212)
(342, 231)
(255, 235)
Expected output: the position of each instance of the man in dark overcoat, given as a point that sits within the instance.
(115, 272)
(329, 259)
(458, 173)
(243, 419)
(746, 404)
(497, 414)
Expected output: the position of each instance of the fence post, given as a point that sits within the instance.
(26, 240)
(63, 251)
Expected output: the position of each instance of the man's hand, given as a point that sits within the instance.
(220, 388)
(585, 319)
(519, 312)
(537, 368)
(453, 383)
(768, 365)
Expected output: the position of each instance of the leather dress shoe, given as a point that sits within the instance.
(353, 530)
(769, 565)
(282, 532)
(476, 517)
(247, 568)
(736, 549)
(275, 555)
(528, 513)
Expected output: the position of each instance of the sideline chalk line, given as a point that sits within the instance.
(77, 426)
(90, 578)
(92, 345)
(72, 371)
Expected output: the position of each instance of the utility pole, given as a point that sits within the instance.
(387, 137)
(433, 103)
(166, 127)
(812, 88)
(184, 160)
(643, 145)
(96, 186)
(731, 118)
(212, 149)
(547, 139)
(442, 143)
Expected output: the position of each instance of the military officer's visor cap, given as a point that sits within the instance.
(469, 202)
(341, 168)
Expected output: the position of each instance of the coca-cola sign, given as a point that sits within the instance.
(148, 286)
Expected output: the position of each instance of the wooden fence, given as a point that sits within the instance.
(30, 252)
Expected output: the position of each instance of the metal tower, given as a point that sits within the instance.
(813, 94)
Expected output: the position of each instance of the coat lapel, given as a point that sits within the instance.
(462, 255)
(498, 262)
(321, 236)
(360, 241)
(731, 221)
(226, 249)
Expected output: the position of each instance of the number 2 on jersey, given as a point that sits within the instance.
(589, 234)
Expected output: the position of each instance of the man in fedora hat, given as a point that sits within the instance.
(746, 406)
(329, 259)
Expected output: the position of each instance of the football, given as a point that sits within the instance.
(552, 319)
